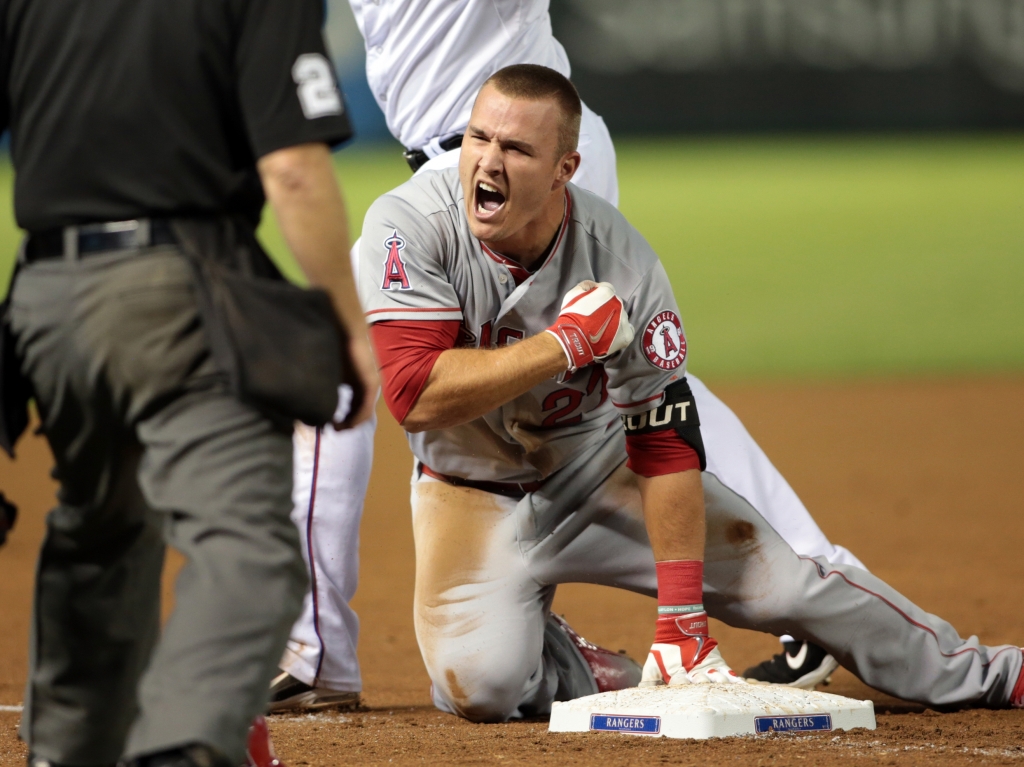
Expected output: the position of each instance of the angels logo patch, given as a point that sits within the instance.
(663, 341)
(395, 275)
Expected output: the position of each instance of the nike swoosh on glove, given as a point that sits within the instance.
(592, 324)
(683, 653)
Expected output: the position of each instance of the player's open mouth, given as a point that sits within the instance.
(488, 200)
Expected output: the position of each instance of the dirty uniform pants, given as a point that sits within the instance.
(150, 449)
(484, 584)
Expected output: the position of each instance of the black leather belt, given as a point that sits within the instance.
(417, 158)
(72, 242)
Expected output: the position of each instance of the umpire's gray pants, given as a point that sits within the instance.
(150, 448)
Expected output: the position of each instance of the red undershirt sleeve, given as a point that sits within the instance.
(660, 452)
(406, 352)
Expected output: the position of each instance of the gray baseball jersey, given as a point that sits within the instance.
(419, 261)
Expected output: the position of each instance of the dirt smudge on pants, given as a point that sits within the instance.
(453, 529)
(459, 696)
(740, 532)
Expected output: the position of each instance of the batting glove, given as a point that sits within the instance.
(592, 324)
(683, 653)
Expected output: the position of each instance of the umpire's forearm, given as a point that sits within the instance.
(302, 189)
(300, 184)
(467, 383)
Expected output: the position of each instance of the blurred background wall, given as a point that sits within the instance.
(670, 66)
(706, 65)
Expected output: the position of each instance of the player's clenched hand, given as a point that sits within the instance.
(683, 653)
(592, 324)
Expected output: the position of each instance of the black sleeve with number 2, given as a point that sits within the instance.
(286, 83)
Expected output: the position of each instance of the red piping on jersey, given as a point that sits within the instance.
(519, 273)
(641, 402)
(411, 309)
(902, 614)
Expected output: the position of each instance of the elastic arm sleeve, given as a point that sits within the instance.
(406, 352)
(660, 452)
(666, 439)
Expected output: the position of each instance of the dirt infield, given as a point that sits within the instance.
(922, 480)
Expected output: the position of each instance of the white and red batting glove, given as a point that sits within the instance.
(592, 324)
(682, 652)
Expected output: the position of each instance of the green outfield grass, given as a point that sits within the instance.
(806, 256)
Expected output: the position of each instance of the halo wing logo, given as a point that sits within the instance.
(395, 275)
(664, 344)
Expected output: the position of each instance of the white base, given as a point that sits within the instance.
(711, 711)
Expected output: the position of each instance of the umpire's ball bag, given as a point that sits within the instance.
(282, 346)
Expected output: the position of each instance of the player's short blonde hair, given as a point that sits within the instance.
(534, 82)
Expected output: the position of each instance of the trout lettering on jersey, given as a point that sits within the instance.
(395, 275)
(678, 411)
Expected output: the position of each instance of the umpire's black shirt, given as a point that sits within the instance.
(127, 108)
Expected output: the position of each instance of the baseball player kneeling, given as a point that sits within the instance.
(531, 346)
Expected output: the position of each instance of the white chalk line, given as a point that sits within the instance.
(12, 709)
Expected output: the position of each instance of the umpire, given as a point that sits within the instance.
(141, 131)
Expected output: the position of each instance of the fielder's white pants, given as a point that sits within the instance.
(332, 471)
(741, 465)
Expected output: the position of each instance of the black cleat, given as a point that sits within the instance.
(289, 695)
(800, 664)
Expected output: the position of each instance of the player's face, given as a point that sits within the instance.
(511, 172)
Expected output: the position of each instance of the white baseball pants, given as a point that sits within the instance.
(332, 471)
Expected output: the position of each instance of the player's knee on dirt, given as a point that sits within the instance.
(477, 695)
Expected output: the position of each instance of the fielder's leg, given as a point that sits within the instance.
(741, 465)
(597, 158)
(332, 471)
